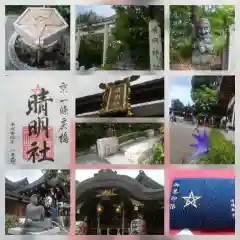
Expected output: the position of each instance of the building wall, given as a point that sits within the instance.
(14, 207)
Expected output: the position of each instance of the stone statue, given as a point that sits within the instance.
(35, 217)
(203, 52)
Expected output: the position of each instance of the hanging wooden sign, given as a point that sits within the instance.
(116, 99)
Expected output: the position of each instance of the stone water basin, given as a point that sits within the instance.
(40, 27)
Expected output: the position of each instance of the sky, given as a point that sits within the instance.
(101, 10)
(180, 87)
(34, 174)
(31, 174)
(156, 174)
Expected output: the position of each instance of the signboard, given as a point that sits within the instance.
(155, 46)
(116, 99)
(38, 127)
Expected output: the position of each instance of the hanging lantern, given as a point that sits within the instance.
(138, 227)
(118, 209)
(99, 208)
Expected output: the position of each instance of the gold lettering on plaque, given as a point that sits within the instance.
(116, 99)
(106, 193)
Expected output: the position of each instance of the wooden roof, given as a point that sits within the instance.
(141, 188)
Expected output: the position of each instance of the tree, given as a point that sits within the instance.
(177, 105)
(205, 95)
(131, 29)
(183, 18)
(89, 18)
(91, 46)
(53, 173)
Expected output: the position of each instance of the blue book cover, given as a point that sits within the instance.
(202, 204)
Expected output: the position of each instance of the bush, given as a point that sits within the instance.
(158, 154)
(221, 151)
(11, 221)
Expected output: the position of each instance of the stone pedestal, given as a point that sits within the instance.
(150, 133)
(107, 146)
(23, 231)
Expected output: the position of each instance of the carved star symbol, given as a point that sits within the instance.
(191, 200)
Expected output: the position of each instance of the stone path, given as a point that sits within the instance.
(180, 139)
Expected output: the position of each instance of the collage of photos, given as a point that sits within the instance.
(111, 141)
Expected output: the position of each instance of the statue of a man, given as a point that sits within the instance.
(203, 52)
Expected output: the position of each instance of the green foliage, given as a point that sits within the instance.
(205, 95)
(53, 173)
(182, 27)
(131, 30)
(221, 151)
(88, 18)
(158, 155)
(129, 40)
(177, 105)
(11, 221)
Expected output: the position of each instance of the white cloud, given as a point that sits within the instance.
(31, 174)
(101, 10)
(156, 174)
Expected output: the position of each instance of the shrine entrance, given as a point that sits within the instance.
(108, 213)
(112, 204)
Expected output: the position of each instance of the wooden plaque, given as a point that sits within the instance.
(116, 99)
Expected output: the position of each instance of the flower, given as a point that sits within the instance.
(201, 145)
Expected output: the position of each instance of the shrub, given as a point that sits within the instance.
(158, 154)
(221, 151)
(11, 221)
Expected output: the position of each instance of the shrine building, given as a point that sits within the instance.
(112, 204)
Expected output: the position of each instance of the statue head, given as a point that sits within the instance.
(34, 199)
(203, 27)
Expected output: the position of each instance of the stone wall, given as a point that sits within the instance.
(107, 146)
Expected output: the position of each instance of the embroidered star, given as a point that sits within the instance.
(191, 200)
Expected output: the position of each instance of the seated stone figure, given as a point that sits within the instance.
(35, 214)
(203, 52)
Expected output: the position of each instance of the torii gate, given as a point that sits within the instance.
(155, 42)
